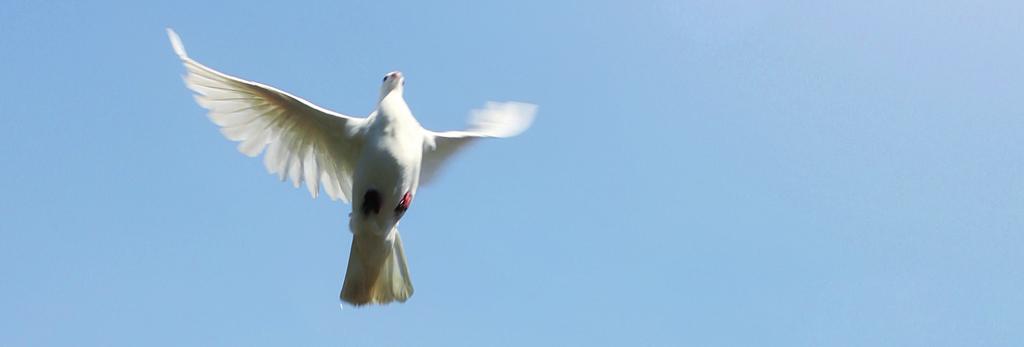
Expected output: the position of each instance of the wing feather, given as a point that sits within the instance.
(496, 119)
(302, 142)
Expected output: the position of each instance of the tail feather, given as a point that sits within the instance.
(377, 271)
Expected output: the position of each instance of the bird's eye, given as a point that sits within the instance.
(385, 78)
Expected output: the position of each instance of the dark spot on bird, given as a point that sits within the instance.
(371, 202)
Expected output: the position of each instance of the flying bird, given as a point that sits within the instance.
(376, 163)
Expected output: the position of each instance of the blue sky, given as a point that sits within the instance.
(709, 173)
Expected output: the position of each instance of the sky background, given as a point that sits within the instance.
(701, 173)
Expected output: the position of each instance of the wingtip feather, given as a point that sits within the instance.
(179, 48)
(503, 119)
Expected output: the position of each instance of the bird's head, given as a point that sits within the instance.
(393, 82)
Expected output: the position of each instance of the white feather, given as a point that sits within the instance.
(496, 119)
(299, 137)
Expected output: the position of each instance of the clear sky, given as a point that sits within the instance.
(701, 173)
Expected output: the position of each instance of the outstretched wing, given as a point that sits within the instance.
(303, 142)
(496, 119)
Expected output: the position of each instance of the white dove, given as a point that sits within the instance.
(376, 163)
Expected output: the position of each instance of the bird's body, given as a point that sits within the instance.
(377, 162)
(391, 155)
(387, 170)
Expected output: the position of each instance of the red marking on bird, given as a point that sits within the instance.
(406, 201)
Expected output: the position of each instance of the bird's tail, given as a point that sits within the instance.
(377, 272)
